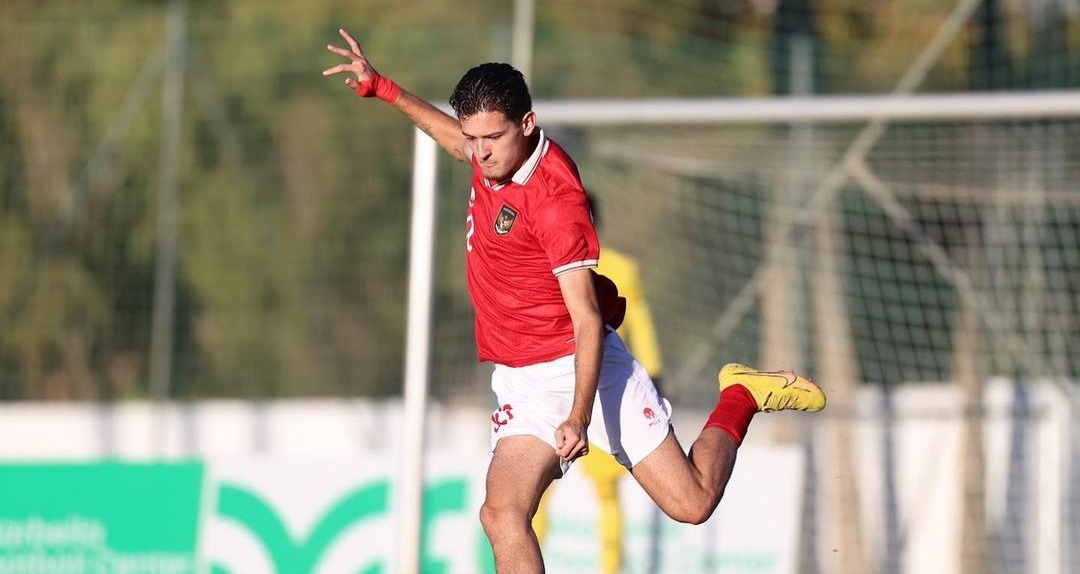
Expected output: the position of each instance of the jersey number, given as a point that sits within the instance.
(470, 228)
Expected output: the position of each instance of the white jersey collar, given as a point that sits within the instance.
(521, 177)
(525, 172)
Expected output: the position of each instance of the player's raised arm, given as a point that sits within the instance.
(367, 82)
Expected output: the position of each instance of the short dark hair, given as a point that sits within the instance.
(492, 87)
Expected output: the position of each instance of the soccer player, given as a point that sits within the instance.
(547, 321)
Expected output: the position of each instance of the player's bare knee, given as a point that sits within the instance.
(692, 509)
(692, 513)
(496, 518)
(488, 518)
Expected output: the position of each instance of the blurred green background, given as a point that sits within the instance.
(290, 196)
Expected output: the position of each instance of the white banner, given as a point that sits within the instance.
(291, 516)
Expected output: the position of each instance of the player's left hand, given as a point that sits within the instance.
(571, 440)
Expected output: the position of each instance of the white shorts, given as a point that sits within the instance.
(630, 418)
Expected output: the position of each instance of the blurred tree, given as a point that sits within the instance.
(294, 196)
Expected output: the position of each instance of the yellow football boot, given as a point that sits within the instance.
(774, 390)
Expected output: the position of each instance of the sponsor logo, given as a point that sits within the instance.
(788, 376)
(289, 551)
(505, 221)
(501, 417)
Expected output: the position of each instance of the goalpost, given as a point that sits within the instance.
(811, 153)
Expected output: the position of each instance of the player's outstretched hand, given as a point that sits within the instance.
(571, 440)
(358, 66)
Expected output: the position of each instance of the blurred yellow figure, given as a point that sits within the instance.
(637, 330)
(639, 334)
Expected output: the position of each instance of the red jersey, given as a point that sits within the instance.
(520, 235)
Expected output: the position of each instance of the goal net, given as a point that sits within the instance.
(886, 247)
(890, 234)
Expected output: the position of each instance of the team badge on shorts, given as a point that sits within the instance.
(505, 221)
(501, 417)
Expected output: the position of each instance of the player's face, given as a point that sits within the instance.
(498, 144)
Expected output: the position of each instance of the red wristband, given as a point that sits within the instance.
(380, 87)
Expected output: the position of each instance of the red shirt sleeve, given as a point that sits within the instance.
(565, 230)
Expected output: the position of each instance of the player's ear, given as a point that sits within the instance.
(528, 123)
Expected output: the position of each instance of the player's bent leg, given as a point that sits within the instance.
(688, 487)
(521, 469)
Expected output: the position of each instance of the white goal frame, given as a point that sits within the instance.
(875, 111)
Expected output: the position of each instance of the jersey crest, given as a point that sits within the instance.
(505, 221)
